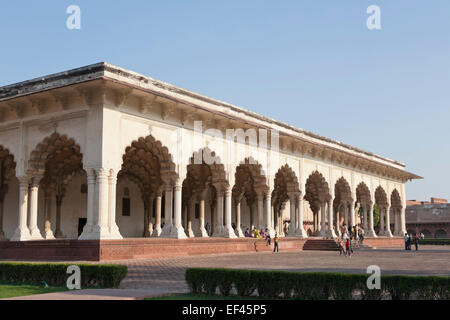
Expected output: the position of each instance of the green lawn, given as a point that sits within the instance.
(201, 296)
(13, 290)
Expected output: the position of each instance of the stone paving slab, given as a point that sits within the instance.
(160, 276)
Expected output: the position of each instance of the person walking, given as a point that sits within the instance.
(416, 242)
(348, 248)
(275, 243)
(268, 239)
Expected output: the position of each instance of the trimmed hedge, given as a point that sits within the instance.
(55, 274)
(315, 285)
(434, 241)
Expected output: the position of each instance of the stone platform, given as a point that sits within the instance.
(143, 248)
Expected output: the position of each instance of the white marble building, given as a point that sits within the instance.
(101, 152)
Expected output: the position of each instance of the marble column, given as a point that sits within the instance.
(58, 231)
(22, 233)
(323, 229)
(191, 215)
(113, 228)
(252, 216)
(388, 232)
(396, 218)
(166, 231)
(346, 214)
(157, 228)
(292, 224)
(365, 224)
(239, 232)
(219, 228)
(352, 214)
(177, 230)
(35, 233)
(146, 232)
(300, 232)
(402, 230)
(260, 222)
(370, 232)
(48, 232)
(202, 231)
(330, 231)
(337, 222)
(87, 230)
(228, 231)
(268, 212)
(100, 229)
(382, 231)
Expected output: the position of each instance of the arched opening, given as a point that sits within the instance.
(426, 233)
(441, 234)
(286, 187)
(148, 173)
(55, 169)
(317, 193)
(383, 205)
(342, 199)
(396, 212)
(250, 184)
(204, 196)
(8, 181)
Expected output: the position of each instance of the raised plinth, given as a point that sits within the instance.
(142, 248)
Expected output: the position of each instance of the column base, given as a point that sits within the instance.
(331, 234)
(402, 233)
(388, 234)
(371, 233)
(301, 233)
(114, 233)
(218, 232)
(59, 234)
(21, 235)
(157, 231)
(239, 232)
(178, 233)
(228, 232)
(190, 233)
(323, 233)
(166, 230)
(202, 233)
(87, 230)
(35, 234)
(48, 235)
(99, 233)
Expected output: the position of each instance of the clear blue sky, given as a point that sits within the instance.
(312, 64)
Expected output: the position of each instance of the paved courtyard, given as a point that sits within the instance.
(167, 274)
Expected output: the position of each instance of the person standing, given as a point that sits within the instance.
(406, 241)
(416, 242)
(275, 243)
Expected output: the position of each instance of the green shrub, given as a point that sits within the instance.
(315, 285)
(92, 275)
(432, 241)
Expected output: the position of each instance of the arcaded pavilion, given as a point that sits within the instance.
(104, 153)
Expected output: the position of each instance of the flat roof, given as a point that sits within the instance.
(105, 70)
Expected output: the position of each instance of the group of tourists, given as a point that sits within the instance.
(410, 238)
(263, 234)
(350, 237)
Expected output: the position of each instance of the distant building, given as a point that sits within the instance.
(432, 218)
